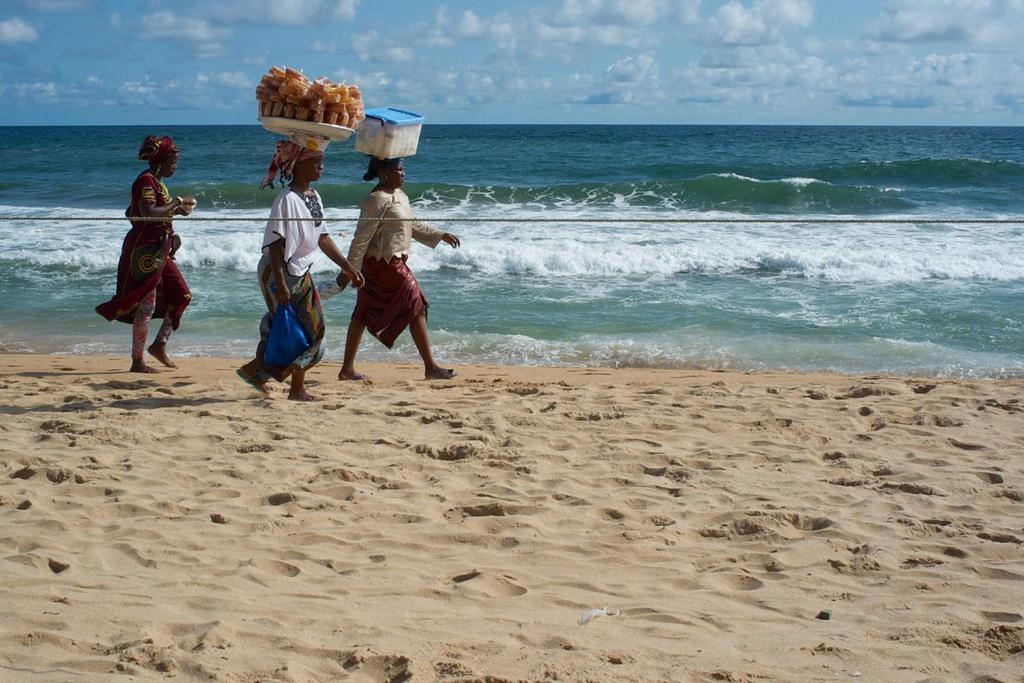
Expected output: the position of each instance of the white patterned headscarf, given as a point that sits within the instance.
(290, 152)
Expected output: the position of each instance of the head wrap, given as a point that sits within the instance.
(156, 150)
(290, 152)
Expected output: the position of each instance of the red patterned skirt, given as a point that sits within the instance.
(145, 265)
(390, 299)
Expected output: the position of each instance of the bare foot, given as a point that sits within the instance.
(140, 366)
(243, 373)
(437, 372)
(303, 396)
(351, 376)
(159, 351)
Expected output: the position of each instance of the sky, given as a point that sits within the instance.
(857, 62)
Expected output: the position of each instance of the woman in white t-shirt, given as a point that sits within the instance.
(293, 235)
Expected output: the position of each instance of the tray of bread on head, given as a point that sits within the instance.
(295, 128)
(293, 105)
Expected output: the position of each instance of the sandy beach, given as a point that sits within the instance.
(179, 525)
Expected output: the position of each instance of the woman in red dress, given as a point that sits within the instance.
(391, 299)
(149, 284)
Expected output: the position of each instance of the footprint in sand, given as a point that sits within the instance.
(737, 529)
(23, 473)
(613, 514)
(488, 585)
(276, 567)
(338, 492)
(280, 498)
(997, 573)
(736, 582)
(1003, 617)
(864, 392)
(56, 566)
(379, 668)
(805, 523)
(966, 446)
(495, 509)
(999, 537)
(450, 453)
(255, 448)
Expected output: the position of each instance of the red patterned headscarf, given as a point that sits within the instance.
(286, 155)
(155, 150)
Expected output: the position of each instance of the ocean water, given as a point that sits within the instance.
(611, 288)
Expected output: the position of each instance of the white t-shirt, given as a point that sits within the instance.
(301, 238)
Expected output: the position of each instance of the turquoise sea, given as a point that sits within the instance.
(855, 296)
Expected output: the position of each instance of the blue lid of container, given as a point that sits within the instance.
(398, 117)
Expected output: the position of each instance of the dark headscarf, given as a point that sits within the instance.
(156, 150)
(378, 165)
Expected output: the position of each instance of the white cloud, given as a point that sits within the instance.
(765, 21)
(323, 47)
(229, 79)
(370, 47)
(470, 25)
(138, 89)
(171, 25)
(288, 12)
(612, 23)
(56, 5)
(611, 12)
(207, 39)
(17, 30)
(38, 91)
(630, 79)
(633, 70)
(979, 21)
(437, 34)
(955, 69)
(688, 11)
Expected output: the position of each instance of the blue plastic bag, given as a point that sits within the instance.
(287, 339)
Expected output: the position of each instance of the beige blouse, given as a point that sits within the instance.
(386, 239)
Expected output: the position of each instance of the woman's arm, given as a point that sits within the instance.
(328, 246)
(175, 207)
(429, 236)
(276, 251)
(424, 234)
(370, 213)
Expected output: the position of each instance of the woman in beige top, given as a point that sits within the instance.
(391, 299)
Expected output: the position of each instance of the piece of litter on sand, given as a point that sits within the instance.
(853, 674)
(592, 614)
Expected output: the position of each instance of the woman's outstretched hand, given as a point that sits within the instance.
(451, 239)
(354, 276)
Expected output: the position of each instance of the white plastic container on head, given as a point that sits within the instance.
(388, 133)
